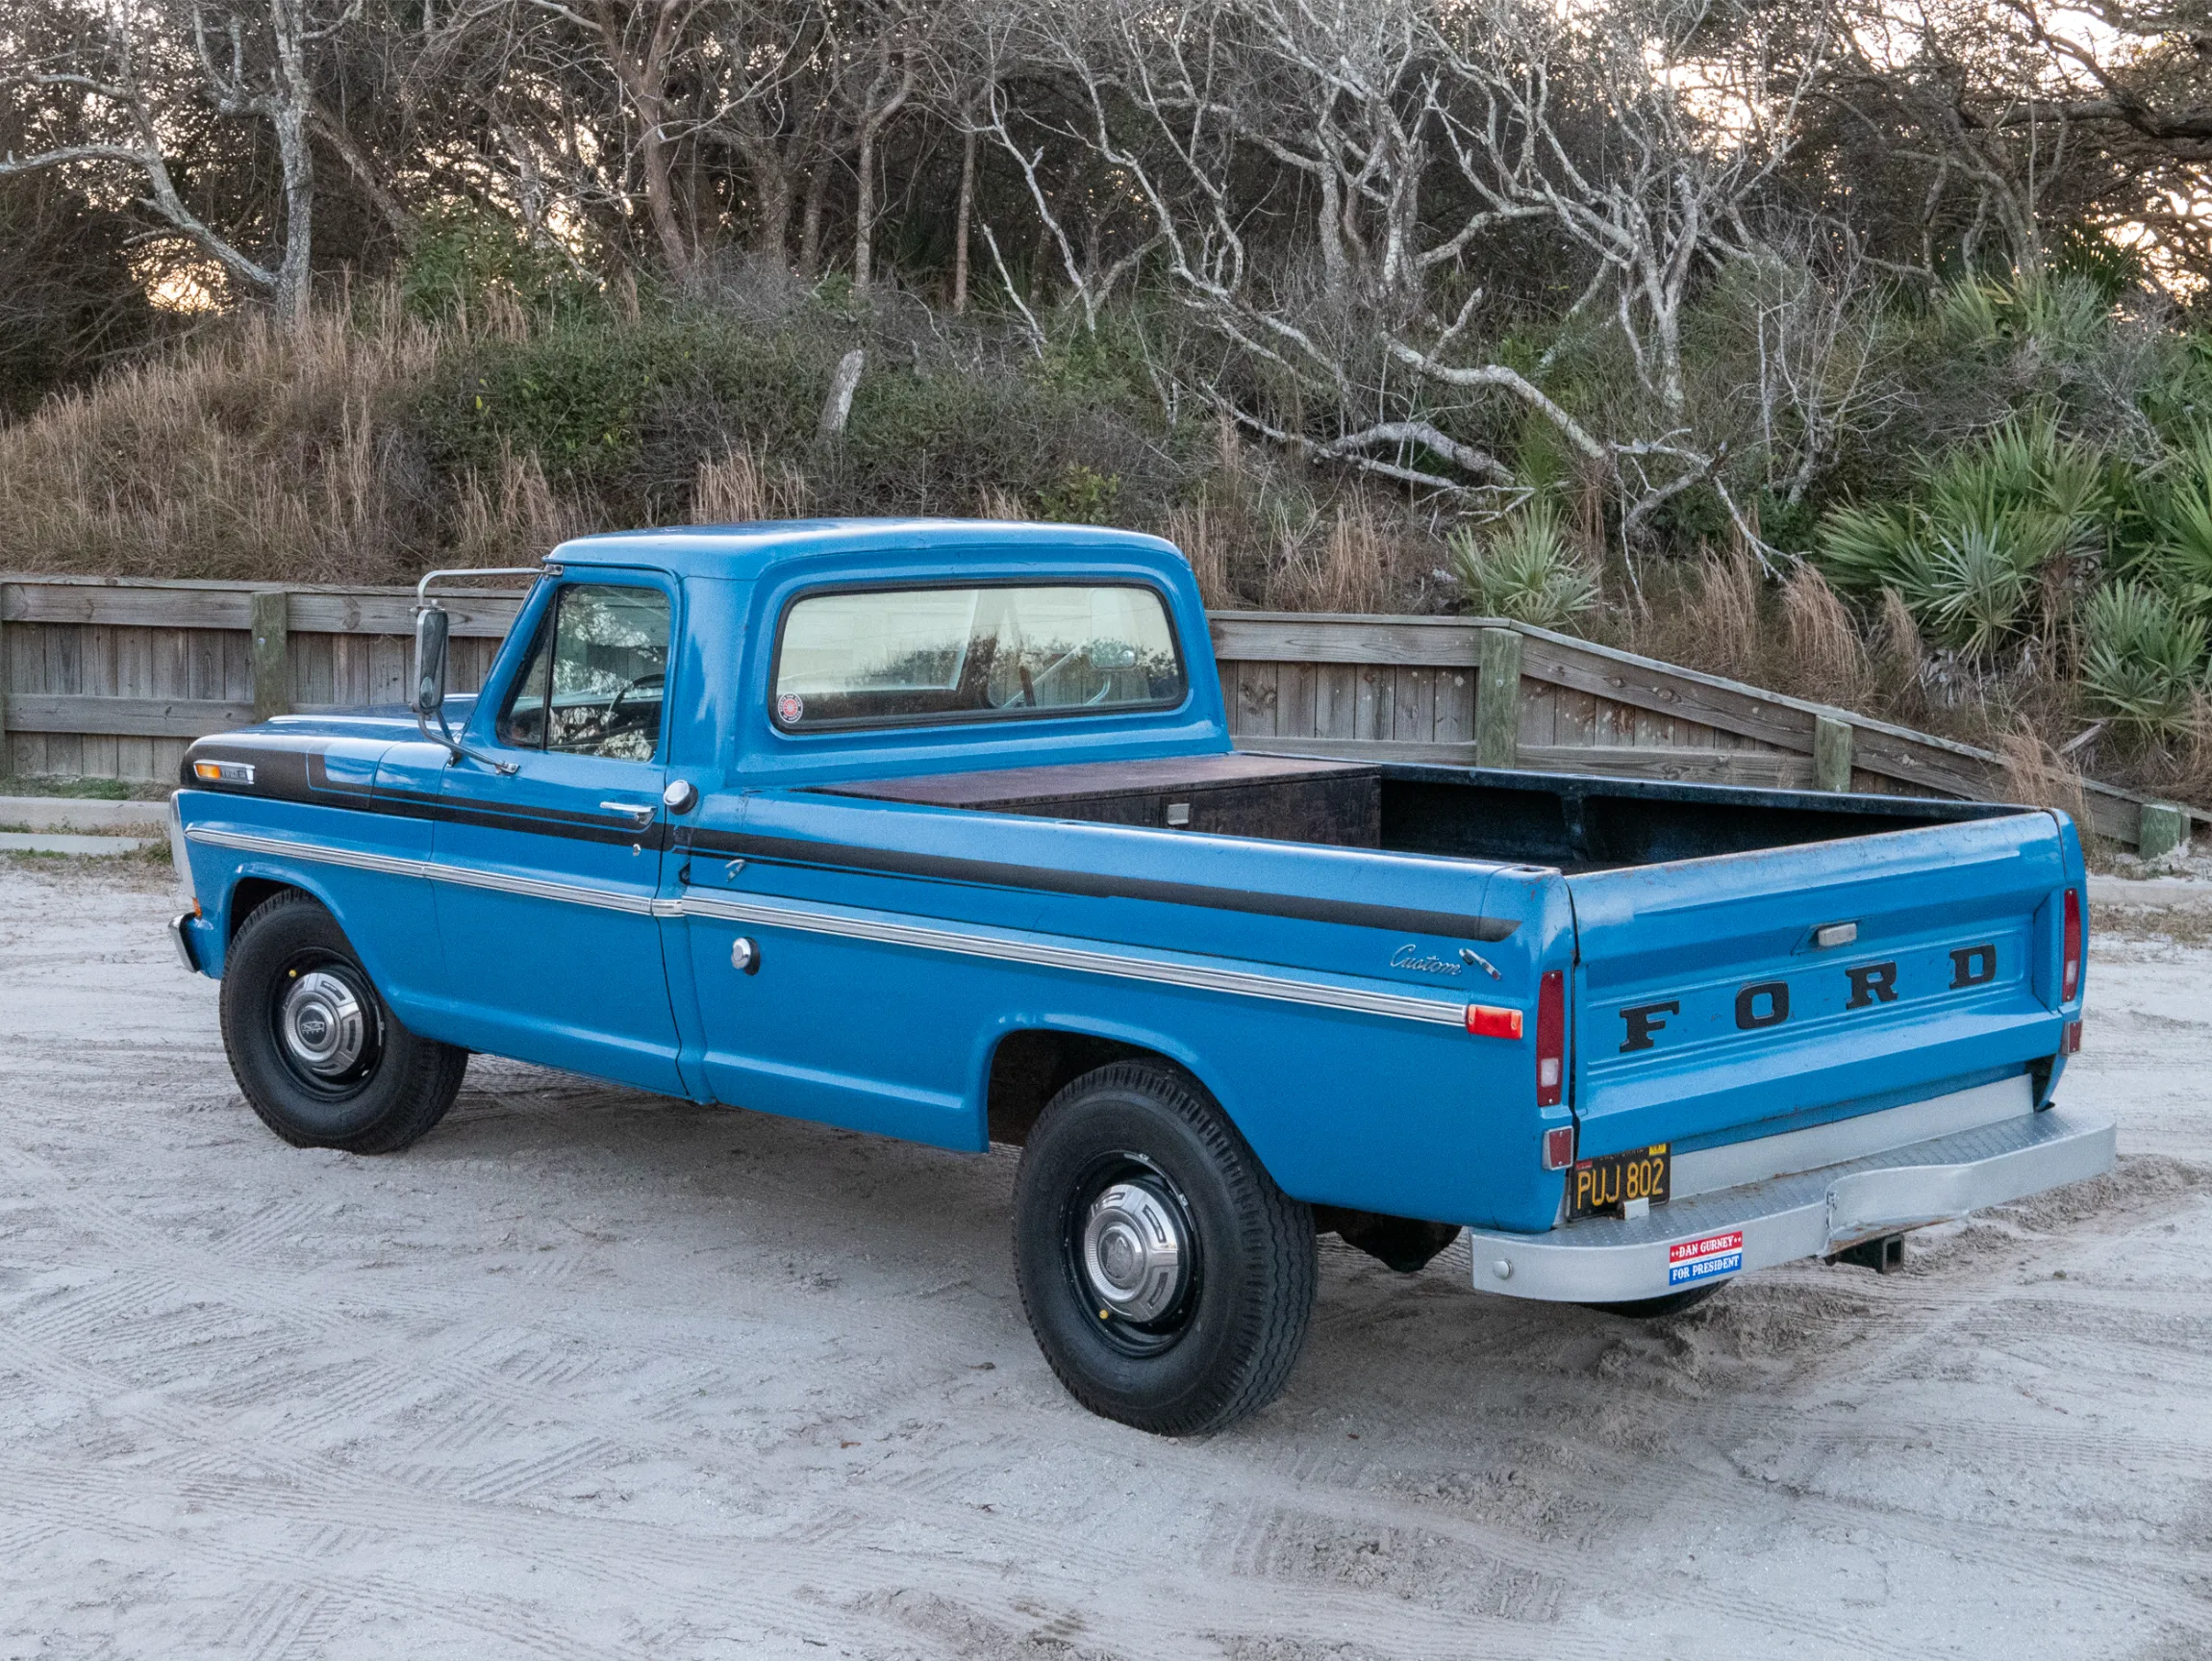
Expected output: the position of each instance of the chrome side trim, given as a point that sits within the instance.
(1044, 951)
(499, 882)
(1055, 952)
(320, 852)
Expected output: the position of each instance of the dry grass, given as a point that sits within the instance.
(521, 518)
(1720, 617)
(258, 453)
(1898, 650)
(1003, 505)
(1195, 532)
(1831, 660)
(2036, 775)
(744, 487)
(1345, 569)
(2183, 767)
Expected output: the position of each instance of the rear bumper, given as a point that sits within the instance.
(1810, 1213)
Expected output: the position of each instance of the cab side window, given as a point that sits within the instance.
(596, 675)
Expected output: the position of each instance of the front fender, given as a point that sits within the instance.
(385, 912)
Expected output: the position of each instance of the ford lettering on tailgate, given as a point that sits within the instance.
(1764, 1003)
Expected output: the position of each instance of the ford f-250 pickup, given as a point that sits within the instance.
(934, 830)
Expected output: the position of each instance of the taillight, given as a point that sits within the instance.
(2069, 968)
(1552, 1040)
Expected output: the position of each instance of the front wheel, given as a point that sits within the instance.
(1168, 1279)
(321, 1057)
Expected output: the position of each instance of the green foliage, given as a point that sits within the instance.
(2142, 657)
(2024, 469)
(464, 255)
(1863, 548)
(1524, 569)
(1968, 585)
(629, 410)
(2065, 315)
(575, 396)
(1989, 519)
(2087, 255)
(1790, 527)
(1083, 496)
(2174, 525)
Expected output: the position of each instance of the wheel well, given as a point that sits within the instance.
(1029, 1068)
(251, 895)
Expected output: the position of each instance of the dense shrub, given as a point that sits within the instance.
(1525, 567)
(628, 410)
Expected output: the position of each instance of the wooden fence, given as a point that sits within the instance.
(112, 678)
(1493, 693)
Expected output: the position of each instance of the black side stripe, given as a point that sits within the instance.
(300, 774)
(991, 874)
(293, 775)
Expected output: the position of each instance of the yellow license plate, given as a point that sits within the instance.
(1600, 1187)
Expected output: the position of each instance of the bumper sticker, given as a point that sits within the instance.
(1695, 1260)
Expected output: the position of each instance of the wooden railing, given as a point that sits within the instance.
(1494, 694)
(112, 678)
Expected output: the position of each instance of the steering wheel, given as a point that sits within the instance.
(614, 707)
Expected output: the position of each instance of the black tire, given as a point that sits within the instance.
(1142, 1138)
(377, 1095)
(1651, 1308)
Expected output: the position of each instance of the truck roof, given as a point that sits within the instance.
(748, 550)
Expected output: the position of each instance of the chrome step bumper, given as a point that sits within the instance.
(1809, 1214)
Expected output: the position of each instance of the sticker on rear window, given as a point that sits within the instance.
(1695, 1260)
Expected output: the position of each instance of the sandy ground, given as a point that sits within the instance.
(590, 1375)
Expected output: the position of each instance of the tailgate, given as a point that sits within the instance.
(1707, 1010)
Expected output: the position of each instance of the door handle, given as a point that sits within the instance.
(637, 813)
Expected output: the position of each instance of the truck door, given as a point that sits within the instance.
(550, 870)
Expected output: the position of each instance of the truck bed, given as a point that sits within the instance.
(1573, 822)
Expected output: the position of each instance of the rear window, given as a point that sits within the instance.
(888, 655)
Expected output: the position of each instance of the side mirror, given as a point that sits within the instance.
(431, 626)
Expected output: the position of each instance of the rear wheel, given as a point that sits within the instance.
(321, 1057)
(1168, 1279)
(1651, 1308)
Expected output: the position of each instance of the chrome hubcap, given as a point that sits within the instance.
(323, 1024)
(1135, 1257)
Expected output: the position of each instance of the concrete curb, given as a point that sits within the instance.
(36, 842)
(75, 814)
(2162, 892)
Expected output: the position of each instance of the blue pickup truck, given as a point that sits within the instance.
(934, 830)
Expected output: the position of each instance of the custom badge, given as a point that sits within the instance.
(790, 709)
